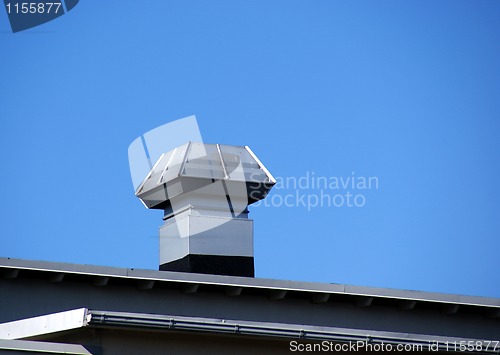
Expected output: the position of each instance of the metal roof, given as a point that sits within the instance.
(233, 285)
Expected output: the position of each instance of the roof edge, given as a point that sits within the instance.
(245, 282)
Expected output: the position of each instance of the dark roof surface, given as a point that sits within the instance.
(321, 292)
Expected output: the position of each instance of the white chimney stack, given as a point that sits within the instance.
(205, 190)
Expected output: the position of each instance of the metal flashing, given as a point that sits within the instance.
(6, 346)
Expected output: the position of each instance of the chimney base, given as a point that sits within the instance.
(212, 264)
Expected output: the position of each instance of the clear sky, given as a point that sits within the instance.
(407, 92)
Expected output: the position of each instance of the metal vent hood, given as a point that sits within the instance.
(204, 190)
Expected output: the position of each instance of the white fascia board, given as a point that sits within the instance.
(47, 324)
(37, 347)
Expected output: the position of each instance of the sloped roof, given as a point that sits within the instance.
(318, 292)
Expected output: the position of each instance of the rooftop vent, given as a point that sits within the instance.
(204, 190)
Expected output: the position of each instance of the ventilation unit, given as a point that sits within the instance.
(204, 190)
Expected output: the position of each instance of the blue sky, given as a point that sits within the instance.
(407, 92)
